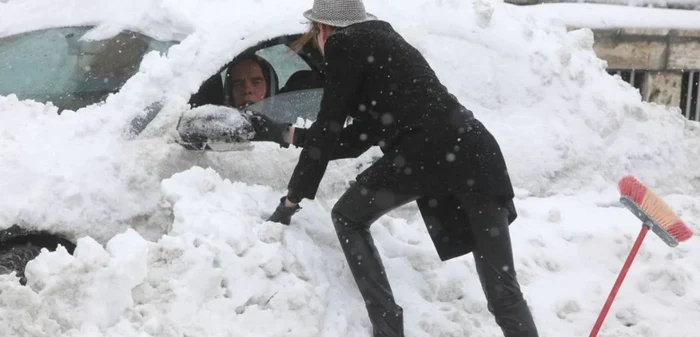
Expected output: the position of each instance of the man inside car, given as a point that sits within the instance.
(249, 81)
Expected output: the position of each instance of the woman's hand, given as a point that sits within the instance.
(284, 211)
(269, 130)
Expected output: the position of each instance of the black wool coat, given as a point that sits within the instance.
(433, 146)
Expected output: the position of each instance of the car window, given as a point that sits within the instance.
(287, 107)
(55, 65)
(284, 61)
(292, 76)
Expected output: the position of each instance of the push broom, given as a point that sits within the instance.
(656, 215)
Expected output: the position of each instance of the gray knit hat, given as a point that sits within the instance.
(338, 13)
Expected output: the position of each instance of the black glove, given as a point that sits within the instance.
(283, 214)
(268, 129)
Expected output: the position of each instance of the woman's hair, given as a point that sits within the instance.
(314, 28)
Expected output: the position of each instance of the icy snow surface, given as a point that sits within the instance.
(173, 242)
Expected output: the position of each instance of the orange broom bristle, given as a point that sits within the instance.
(655, 208)
(632, 188)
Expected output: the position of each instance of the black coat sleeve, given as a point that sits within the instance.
(340, 91)
(354, 140)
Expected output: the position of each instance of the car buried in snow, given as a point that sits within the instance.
(79, 72)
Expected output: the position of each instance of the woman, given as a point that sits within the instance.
(435, 153)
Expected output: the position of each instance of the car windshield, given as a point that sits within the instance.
(56, 65)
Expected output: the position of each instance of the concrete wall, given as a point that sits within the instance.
(648, 49)
(663, 53)
(663, 88)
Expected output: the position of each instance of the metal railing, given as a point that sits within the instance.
(690, 90)
(636, 78)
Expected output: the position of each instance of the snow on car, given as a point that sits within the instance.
(82, 72)
(174, 239)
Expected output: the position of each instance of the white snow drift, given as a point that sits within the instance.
(174, 243)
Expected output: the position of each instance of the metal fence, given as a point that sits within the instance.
(690, 88)
(689, 95)
(637, 78)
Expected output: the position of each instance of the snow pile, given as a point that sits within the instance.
(564, 123)
(221, 271)
(186, 249)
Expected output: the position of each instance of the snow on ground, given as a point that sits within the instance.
(173, 243)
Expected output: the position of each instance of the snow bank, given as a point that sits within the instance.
(187, 251)
(564, 123)
(222, 270)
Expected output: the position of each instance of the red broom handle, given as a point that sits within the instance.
(618, 282)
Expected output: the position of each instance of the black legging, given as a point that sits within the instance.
(359, 207)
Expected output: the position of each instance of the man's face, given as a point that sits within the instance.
(248, 83)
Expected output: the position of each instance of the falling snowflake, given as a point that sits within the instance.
(387, 119)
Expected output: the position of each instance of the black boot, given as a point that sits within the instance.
(513, 316)
(367, 269)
